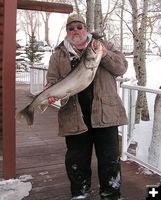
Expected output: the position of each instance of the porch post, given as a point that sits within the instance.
(8, 89)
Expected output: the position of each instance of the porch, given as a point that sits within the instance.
(40, 153)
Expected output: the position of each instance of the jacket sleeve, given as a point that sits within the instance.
(53, 70)
(114, 61)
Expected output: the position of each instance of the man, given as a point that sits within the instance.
(90, 118)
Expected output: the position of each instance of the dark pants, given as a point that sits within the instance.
(78, 161)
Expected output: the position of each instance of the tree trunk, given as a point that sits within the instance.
(45, 17)
(155, 146)
(121, 25)
(139, 61)
(76, 6)
(47, 28)
(98, 25)
(90, 15)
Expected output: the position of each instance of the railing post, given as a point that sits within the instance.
(124, 133)
(124, 143)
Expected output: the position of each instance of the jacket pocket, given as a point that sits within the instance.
(110, 109)
(67, 118)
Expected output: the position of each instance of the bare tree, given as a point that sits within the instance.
(90, 15)
(155, 5)
(98, 25)
(121, 25)
(154, 23)
(154, 20)
(45, 17)
(139, 36)
(155, 146)
(77, 6)
(96, 19)
(29, 22)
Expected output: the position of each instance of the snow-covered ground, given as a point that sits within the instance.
(143, 131)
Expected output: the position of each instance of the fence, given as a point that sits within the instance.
(37, 79)
(23, 77)
(137, 138)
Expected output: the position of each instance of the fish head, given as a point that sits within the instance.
(93, 51)
(93, 56)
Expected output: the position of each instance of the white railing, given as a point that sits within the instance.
(136, 138)
(23, 77)
(37, 79)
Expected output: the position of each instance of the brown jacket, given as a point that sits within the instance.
(107, 107)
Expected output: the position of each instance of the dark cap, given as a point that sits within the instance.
(75, 18)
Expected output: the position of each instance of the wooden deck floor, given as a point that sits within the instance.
(40, 153)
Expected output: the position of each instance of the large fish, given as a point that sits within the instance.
(76, 81)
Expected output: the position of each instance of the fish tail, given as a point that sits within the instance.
(26, 113)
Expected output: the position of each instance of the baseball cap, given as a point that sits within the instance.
(75, 18)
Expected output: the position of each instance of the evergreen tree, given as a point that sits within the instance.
(32, 50)
(18, 53)
(21, 64)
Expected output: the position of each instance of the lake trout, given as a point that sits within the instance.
(76, 81)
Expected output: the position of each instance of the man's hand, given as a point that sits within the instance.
(104, 51)
(52, 100)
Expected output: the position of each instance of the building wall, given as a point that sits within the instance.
(7, 85)
(1, 47)
(8, 11)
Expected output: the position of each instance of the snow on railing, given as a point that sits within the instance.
(139, 139)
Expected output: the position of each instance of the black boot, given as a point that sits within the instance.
(110, 196)
(116, 197)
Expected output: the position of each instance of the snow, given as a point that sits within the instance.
(144, 171)
(142, 133)
(153, 67)
(15, 189)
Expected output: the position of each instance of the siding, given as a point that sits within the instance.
(1, 47)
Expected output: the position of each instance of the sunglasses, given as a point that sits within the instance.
(74, 27)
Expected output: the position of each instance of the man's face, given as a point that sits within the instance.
(76, 33)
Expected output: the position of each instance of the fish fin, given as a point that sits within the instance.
(26, 113)
(65, 99)
(56, 105)
(43, 107)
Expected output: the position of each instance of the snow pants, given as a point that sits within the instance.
(78, 161)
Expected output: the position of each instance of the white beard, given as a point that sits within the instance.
(77, 39)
